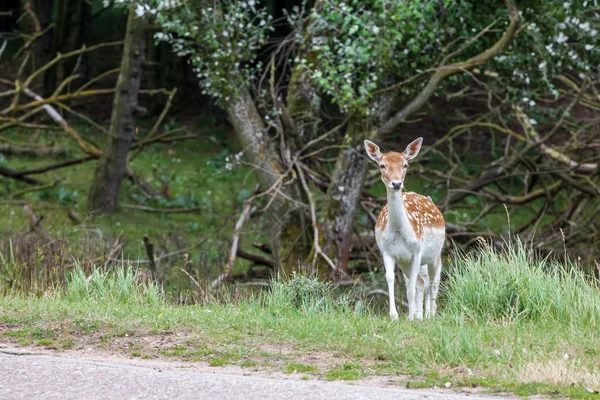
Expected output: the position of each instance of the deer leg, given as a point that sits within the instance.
(421, 289)
(390, 264)
(424, 276)
(435, 273)
(411, 287)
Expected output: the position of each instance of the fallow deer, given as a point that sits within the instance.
(410, 231)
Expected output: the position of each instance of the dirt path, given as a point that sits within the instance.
(28, 374)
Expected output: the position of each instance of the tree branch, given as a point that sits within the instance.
(445, 71)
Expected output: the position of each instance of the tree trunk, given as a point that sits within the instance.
(41, 46)
(251, 130)
(343, 195)
(112, 166)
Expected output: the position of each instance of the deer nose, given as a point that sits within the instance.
(396, 185)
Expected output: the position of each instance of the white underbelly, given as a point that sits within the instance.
(403, 249)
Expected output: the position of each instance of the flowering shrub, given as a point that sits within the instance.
(221, 39)
(363, 46)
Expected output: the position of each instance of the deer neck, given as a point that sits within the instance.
(397, 217)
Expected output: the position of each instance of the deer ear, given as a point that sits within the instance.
(373, 151)
(413, 149)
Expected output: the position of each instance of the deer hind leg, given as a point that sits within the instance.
(390, 265)
(425, 283)
(435, 272)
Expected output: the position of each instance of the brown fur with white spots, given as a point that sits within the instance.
(410, 231)
(421, 212)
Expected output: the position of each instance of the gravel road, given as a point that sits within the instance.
(34, 376)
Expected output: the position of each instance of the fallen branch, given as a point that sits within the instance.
(234, 243)
(580, 168)
(87, 148)
(257, 258)
(29, 151)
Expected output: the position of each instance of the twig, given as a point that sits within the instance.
(150, 253)
(87, 148)
(317, 247)
(36, 189)
(234, 242)
(35, 224)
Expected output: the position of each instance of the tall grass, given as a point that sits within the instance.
(514, 285)
(120, 284)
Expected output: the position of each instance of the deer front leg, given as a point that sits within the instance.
(390, 264)
(411, 288)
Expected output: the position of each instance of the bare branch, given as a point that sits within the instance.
(445, 71)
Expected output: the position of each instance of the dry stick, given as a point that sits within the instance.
(35, 224)
(55, 99)
(11, 173)
(36, 151)
(150, 252)
(96, 79)
(114, 251)
(234, 243)
(313, 216)
(202, 292)
(256, 258)
(19, 121)
(36, 188)
(581, 168)
(87, 148)
(157, 123)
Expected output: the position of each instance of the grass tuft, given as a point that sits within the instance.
(306, 294)
(119, 284)
(512, 285)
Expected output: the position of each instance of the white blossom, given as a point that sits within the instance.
(561, 38)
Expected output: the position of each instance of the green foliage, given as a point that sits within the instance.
(221, 39)
(491, 285)
(364, 44)
(558, 37)
(377, 44)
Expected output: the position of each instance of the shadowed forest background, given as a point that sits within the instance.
(213, 142)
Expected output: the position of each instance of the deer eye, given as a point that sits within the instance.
(381, 166)
(405, 166)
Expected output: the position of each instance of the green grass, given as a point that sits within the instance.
(218, 362)
(509, 322)
(293, 368)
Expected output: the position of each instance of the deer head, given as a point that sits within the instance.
(393, 165)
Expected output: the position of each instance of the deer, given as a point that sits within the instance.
(410, 231)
